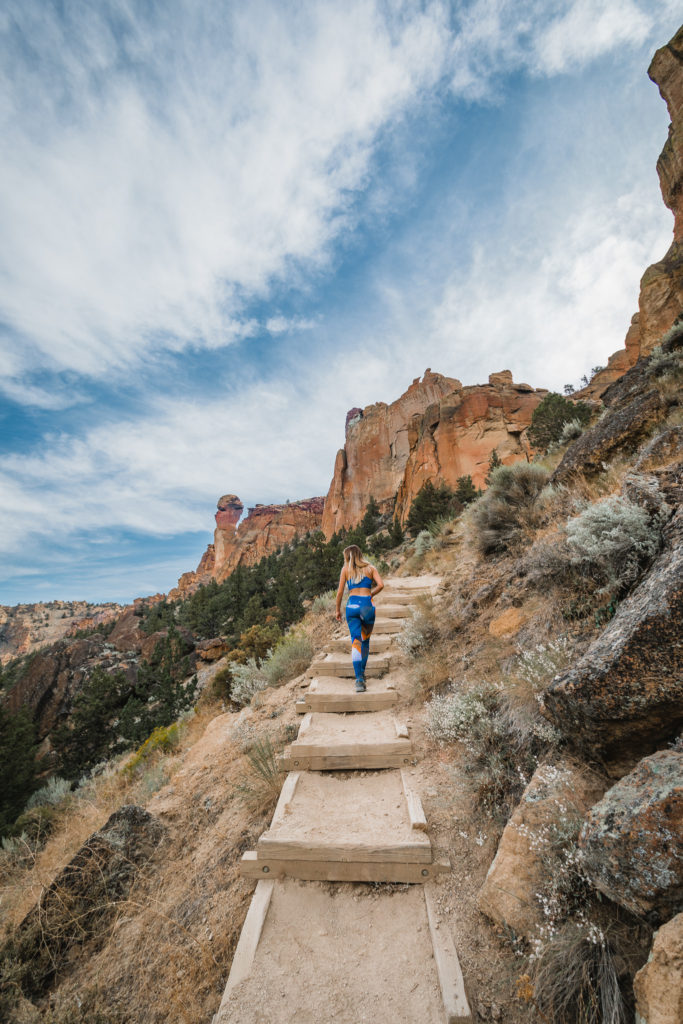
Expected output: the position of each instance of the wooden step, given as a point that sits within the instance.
(342, 825)
(340, 665)
(333, 742)
(368, 952)
(384, 626)
(378, 644)
(334, 694)
(393, 611)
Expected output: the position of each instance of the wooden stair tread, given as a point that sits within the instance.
(320, 818)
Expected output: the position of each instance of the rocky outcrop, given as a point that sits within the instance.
(658, 986)
(632, 840)
(56, 674)
(661, 286)
(84, 898)
(24, 628)
(555, 793)
(265, 529)
(635, 405)
(437, 430)
(624, 696)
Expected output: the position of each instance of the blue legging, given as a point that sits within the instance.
(360, 615)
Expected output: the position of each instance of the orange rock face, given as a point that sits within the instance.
(661, 286)
(438, 430)
(266, 528)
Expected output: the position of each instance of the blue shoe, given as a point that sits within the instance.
(360, 686)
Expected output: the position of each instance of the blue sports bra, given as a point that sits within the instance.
(365, 582)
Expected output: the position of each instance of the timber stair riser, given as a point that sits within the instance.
(335, 743)
(346, 703)
(378, 644)
(338, 665)
(259, 868)
(296, 848)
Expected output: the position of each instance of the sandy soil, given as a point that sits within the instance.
(371, 727)
(366, 808)
(344, 953)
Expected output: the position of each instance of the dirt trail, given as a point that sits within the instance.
(339, 951)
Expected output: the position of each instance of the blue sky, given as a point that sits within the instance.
(225, 224)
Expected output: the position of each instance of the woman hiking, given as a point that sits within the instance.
(363, 582)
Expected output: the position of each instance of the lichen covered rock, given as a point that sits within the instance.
(632, 840)
(83, 898)
(624, 696)
(554, 794)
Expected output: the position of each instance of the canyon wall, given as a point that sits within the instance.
(437, 430)
(661, 286)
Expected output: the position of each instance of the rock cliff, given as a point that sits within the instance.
(265, 529)
(26, 627)
(437, 430)
(661, 286)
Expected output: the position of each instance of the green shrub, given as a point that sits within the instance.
(51, 794)
(466, 492)
(324, 603)
(419, 632)
(570, 431)
(247, 681)
(550, 416)
(164, 738)
(510, 506)
(423, 542)
(291, 657)
(613, 540)
(17, 763)
(503, 741)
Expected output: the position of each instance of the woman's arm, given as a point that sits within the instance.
(340, 592)
(378, 580)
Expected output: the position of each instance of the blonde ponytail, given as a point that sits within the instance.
(355, 563)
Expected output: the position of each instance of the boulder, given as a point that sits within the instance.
(635, 406)
(212, 650)
(555, 792)
(624, 697)
(658, 986)
(84, 897)
(631, 843)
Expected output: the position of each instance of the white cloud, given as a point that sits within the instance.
(155, 177)
(587, 30)
(148, 179)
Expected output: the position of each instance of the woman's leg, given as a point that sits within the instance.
(353, 618)
(367, 622)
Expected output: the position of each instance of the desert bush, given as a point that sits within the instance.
(163, 738)
(510, 506)
(51, 794)
(291, 656)
(503, 741)
(549, 418)
(324, 602)
(576, 978)
(261, 788)
(419, 632)
(423, 543)
(571, 430)
(247, 680)
(542, 662)
(613, 540)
